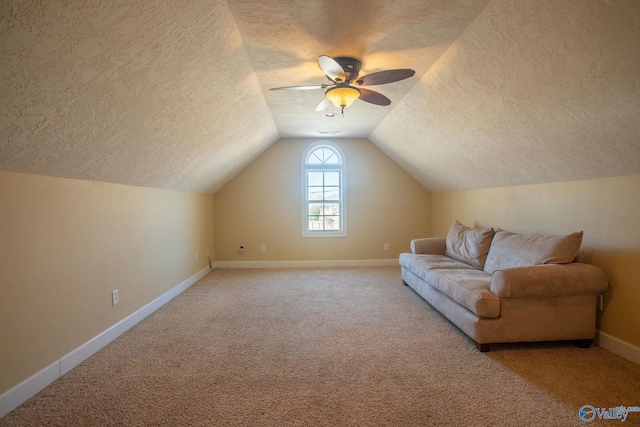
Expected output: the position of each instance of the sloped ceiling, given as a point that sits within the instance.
(531, 92)
(176, 94)
(149, 93)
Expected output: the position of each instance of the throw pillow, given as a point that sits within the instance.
(518, 250)
(469, 245)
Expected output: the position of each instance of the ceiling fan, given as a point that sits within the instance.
(346, 85)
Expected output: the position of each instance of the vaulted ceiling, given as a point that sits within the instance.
(176, 94)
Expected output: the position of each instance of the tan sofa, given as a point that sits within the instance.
(498, 286)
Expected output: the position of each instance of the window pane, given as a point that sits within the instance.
(330, 156)
(316, 178)
(313, 160)
(332, 178)
(331, 193)
(315, 210)
(315, 193)
(332, 222)
(331, 209)
(324, 154)
(315, 224)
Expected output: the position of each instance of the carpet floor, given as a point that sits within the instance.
(324, 347)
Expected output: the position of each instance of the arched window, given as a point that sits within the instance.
(324, 207)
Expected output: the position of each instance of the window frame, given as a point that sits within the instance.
(341, 168)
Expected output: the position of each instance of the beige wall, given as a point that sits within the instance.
(66, 244)
(262, 205)
(607, 209)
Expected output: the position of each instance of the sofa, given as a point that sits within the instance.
(501, 287)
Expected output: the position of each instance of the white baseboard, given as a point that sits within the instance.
(617, 346)
(308, 264)
(22, 392)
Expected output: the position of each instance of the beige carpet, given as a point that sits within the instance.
(324, 347)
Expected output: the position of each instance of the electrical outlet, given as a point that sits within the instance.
(386, 246)
(600, 302)
(196, 257)
(263, 248)
(241, 251)
(115, 297)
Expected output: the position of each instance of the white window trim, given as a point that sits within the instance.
(343, 190)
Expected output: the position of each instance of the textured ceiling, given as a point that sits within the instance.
(176, 94)
(531, 92)
(285, 38)
(149, 93)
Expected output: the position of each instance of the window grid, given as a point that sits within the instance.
(324, 210)
(323, 200)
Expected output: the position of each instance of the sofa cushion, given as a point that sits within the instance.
(469, 245)
(468, 287)
(419, 264)
(519, 250)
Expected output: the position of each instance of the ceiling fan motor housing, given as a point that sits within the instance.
(351, 67)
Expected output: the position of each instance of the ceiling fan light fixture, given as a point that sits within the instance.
(342, 96)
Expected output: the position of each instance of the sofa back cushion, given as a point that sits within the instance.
(469, 245)
(518, 250)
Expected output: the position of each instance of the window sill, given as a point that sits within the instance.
(324, 234)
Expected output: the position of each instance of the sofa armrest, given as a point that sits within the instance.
(429, 245)
(548, 280)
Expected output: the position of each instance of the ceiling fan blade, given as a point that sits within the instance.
(373, 97)
(382, 77)
(331, 68)
(304, 87)
(324, 104)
